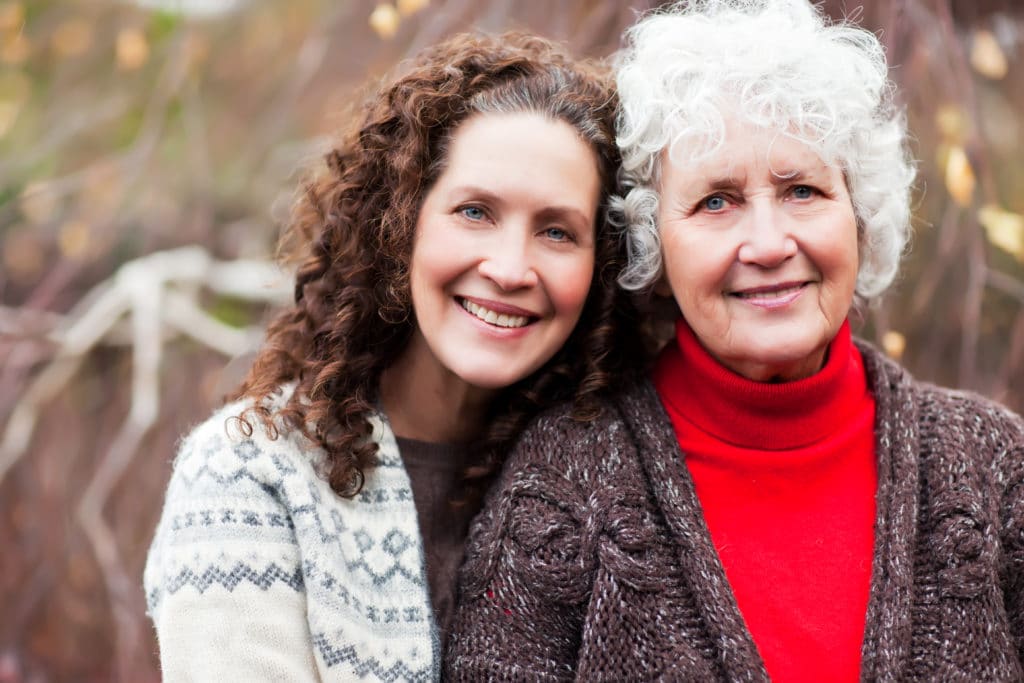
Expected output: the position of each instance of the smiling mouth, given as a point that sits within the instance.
(493, 317)
(771, 294)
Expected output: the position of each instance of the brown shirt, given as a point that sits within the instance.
(435, 472)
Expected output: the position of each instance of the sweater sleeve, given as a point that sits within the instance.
(223, 578)
(529, 569)
(1012, 539)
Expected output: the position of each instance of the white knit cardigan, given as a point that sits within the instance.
(260, 572)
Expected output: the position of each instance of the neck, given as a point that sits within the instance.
(426, 402)
(776, 373)
(761, 415)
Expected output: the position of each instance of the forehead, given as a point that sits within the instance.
(497, 138)
(745, 151)
(527, 161)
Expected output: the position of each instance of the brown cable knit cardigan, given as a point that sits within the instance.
(592, 558)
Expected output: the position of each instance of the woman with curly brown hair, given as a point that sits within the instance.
(457, 276)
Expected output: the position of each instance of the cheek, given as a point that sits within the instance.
(695, 268)
(571, 285)
(436, 259)
(853, 251)
(416, 268)
(840, 257)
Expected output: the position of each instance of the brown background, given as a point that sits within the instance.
(126, 131)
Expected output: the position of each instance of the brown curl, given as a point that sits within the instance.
(352, 231)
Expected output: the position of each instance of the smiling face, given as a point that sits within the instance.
(503, 254)
(760, 250)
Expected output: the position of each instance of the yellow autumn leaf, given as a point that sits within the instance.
(407, 7)
(12, 16)
(72, 38)
(951, 122)
(384, 20)
(74, 238)
(15, 49)
(959, 176)
(1005, 229)
(987, 57)
(132, 49)
(894, 344)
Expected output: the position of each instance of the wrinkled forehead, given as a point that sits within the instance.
(739, 146)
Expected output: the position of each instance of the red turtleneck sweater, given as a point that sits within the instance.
(786, 476)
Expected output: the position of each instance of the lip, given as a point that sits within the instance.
(499, 307)
(773, 296)
(496, 331)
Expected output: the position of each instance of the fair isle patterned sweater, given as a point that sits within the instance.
(260, 572)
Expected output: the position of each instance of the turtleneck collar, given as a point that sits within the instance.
(760, 415)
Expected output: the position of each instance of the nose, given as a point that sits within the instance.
(767, 241)
(508, 263)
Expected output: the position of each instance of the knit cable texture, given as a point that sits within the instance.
(592, 561)
(259, 571)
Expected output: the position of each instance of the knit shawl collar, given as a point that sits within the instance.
(888, 627)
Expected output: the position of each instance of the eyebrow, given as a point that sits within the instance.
(716, 184)
(778, 178)
(569, 212)
(819, 173)
(726, 183)
(791, 176)
(787, 175)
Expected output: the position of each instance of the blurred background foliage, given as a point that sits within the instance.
(130, 128)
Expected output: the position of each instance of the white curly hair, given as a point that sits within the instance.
(777, 64)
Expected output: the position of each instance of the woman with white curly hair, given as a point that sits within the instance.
(775, 500)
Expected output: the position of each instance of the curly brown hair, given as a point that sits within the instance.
(353, 226)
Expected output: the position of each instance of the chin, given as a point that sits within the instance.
(785, 348)
(490, 380)
(493, 372)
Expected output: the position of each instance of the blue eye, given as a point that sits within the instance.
(714, 203)
(473, 213)
(557, 234)
(803, 192)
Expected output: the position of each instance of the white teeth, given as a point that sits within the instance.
(769, 295)
(498, 319)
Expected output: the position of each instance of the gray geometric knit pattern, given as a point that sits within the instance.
(257, 560)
